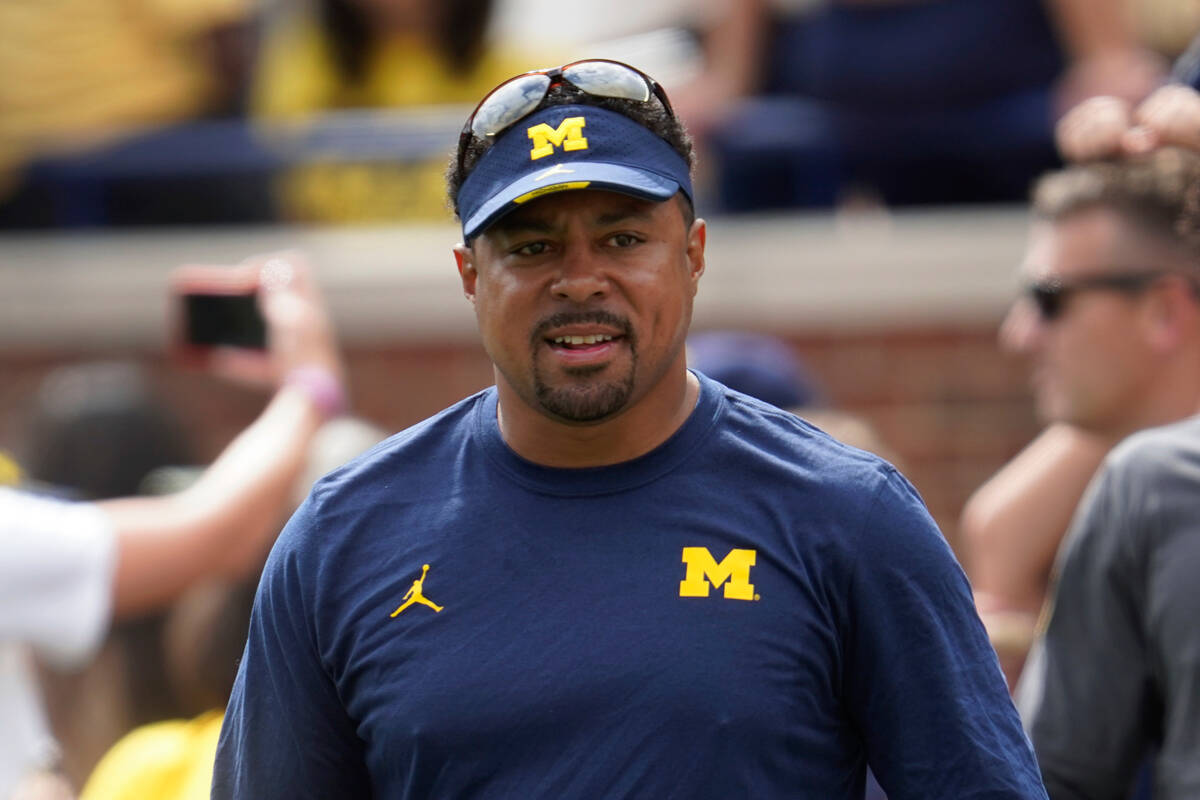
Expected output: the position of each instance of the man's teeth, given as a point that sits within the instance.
(582, 339)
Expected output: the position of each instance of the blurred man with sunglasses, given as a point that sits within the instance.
(1115, 678)
(1111, 287)
(1103, 250)
(640, 584)
(1111, 322)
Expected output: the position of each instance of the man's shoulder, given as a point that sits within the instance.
(1156, 452)
(1150, 464)
(788, 439)
(1154, 473)
(406, 468)
(416, 450)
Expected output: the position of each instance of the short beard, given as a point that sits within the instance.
(585, 401)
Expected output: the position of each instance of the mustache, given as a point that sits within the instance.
(597, 317)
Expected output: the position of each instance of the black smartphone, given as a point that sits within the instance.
(223, 320)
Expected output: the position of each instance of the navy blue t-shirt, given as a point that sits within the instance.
(750, 610)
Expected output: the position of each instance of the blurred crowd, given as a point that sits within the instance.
(227, 111)
(204, 111)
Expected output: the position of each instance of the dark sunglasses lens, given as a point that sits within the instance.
(607, 79)
(508, 103)
(1048, 299)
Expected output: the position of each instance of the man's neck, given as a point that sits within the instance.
(634, 432)
(1174, 396)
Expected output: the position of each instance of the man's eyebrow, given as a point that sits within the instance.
(515, 224)
(633, 212)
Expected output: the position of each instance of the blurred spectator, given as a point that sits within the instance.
(1114, 679)
(65, 568)
(1121, 621)
(1102, 370)
(659, 38)
(206, 631)
(932, 101)
(755, 364)
(590, 23)
(97, 431)
(378, 54)
(75, 74)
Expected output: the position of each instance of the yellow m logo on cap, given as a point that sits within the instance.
(703, 571)
(568, 135)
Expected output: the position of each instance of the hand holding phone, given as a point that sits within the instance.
(224, 320)
(255, 322)
(217, 321)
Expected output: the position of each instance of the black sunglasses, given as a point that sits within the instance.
(503, 106)
(1050, 296)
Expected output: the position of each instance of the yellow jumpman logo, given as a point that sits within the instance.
(414, 595)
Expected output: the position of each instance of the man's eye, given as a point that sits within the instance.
(531, 249)
(623, 240)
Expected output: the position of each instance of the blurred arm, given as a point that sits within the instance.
(1106, 127)
(1106, 57)
(734, 40)
(221, 524)
(227, 519)
(1011, 529)
(1092, 27)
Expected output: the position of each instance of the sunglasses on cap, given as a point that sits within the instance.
(516, 97)
(1050, 296)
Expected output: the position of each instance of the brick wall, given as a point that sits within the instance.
(945, 400)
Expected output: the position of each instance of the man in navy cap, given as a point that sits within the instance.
(635, 582)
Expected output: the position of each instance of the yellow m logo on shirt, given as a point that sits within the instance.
(568, 135)
(704, 572)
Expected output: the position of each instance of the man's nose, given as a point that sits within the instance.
(1022, 327)
(581, 275)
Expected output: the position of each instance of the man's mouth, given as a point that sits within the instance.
(592, 350)
(576, 342)
(589, 339)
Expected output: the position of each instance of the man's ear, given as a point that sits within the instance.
(465, 257)
(1171, 311)
(697, 238)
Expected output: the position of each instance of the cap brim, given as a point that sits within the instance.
(568, 176)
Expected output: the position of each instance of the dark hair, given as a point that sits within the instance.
(459, 29)
(1158, 192)
(651, 115)
(99, 428)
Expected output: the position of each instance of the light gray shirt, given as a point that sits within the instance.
(1116, 674)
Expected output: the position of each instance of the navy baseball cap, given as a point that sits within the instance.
(755, 364)
(560, 148)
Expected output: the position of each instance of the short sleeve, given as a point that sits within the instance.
(921, 679)
(286, 734)
(56, 571)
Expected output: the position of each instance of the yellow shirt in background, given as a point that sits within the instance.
(74, 70)
(170, 760)
(297, 76)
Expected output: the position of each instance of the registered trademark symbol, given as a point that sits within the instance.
(757, 597)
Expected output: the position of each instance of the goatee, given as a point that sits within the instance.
(585, 397)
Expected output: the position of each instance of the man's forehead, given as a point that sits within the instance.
(1084, 241)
